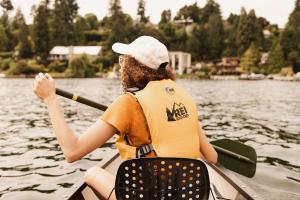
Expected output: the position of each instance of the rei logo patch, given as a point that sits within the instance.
(178, 112)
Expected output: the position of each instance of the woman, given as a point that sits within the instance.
(157, 118)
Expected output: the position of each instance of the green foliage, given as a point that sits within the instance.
(230, 34)
(6, 5)
(25, 67)
(3, 39)
(294, 60)
(93, 36)
(120, 27)
(81, 67)
(4, 64)
(249, 30)
(92, 21)
(80, 26)
(8, 43)
(211, 8)
(6, 54)
(197, 42)
(274, 36)
(250, 59)
(166, 17)
(276, 60)
(205, 40)
(290, 38)
(57, 66)
(41, 33)
(104, 63)
(168, 30)
(115, 7)
(189, 12)
(24, 44)
(214, 29)
(62, 25)
(141, 12)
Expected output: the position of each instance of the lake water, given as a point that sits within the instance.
(263, 114)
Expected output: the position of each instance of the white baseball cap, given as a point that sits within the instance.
(145, 49)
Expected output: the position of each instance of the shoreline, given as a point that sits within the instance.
(110, 75)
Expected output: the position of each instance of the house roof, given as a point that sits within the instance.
(66, 50)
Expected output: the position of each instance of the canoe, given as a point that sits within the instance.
(224, 184)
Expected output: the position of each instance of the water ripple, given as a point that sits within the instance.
(262, 114)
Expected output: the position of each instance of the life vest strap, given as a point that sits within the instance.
(142, 151)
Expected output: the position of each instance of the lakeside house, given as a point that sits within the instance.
(69, 52)
(180, 62)
(228, 66)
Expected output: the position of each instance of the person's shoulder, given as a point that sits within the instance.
(126, 98)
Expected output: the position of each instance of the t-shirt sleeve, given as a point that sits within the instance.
(119, 114)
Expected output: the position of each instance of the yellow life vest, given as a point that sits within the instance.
(172, 119)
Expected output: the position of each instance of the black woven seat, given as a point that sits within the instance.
(162, 179)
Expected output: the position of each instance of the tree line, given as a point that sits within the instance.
(200, 31)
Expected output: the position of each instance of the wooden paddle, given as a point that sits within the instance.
(233, 155)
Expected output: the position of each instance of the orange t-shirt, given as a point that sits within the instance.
(127, 116)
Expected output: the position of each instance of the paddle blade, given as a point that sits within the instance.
(236, 156)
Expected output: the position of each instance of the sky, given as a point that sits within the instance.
(276, 11)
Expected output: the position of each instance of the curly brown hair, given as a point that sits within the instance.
(136, 75)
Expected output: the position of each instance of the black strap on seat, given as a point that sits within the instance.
(162, 179)
(142, 151)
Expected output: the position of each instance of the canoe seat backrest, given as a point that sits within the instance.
(162, 179)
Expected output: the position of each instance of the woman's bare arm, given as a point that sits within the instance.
(206, 149)
(73, 148)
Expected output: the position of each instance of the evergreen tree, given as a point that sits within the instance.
(276, 60)
(92, 21)
(22, 37)
(294, 18)
(3, 39)
(294, 60)
(208, 36)
(181, 38)
(141, 12)
(269, 39)
(14, 28)
(8, 33)
(290, 37)
(120, 28)
(168, 29)
(6, 5)
(25, 46)
(62, 24)
(81, 25)
(214, 29)
(289, 40)
(41, 32)
(197, 42)
(250, 59)
(115, 7)
(166, 16)
(249, 30)
(189, 11)
(230, 32)
(210, 8)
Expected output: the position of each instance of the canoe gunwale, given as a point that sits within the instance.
(239, 185)
(71, 193)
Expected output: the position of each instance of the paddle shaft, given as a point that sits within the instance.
(103, 108)
(80, 99)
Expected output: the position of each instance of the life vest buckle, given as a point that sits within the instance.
(142, 151)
